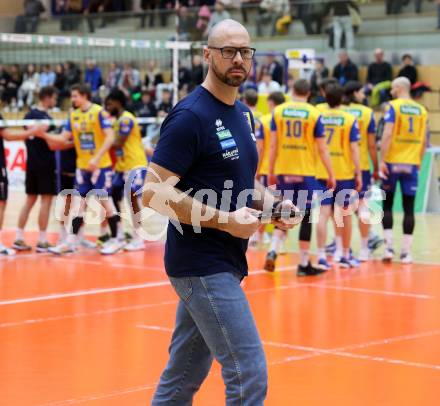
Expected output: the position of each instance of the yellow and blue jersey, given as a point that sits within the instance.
(322, 106)
(262, 132)
(131, 154)
(410, 121)
(341, 129)
(87, 129)
(296, 124)
(367, 125)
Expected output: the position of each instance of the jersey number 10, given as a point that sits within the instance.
(294, 126)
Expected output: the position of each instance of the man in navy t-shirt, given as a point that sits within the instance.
(40, 174)
(202, 176)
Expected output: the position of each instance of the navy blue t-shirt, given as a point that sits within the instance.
(207, 143)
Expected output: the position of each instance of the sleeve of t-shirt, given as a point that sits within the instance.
(126, 126)
(179, 143)
(354, 132)
(104, 122)
(273, 124)
(372, 125)
(390, 115)
(319, 128)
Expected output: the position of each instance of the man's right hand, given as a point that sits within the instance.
(241, 223)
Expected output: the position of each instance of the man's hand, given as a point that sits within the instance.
(358, 181)
(242, 223)
(331, 182)
(383, 170)
(93, 164)
(40, 130)
(271, 179)
(286, 206)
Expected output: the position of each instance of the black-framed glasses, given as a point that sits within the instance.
(231, 52)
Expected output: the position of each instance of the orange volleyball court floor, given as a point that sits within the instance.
(91, 330)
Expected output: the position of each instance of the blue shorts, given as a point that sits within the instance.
(407, 175)
(135, 178)
(366, 183)
(99, 182)
(299, 189)
(343, 195)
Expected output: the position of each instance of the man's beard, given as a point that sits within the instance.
(234, 82)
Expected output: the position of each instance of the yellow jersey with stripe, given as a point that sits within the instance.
(341, 129)
(410, 121)
(296, 124)
(87, 129)
(322, 106)
(131, 154)
(367, 125)
(263, 133)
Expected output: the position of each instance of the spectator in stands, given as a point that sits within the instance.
(274, 68)
(394, 6)
(184, 76)
(113, 76)
(60, 83)
(418, 6)
(47, 76)
(96, 7)
(185, 24)
(28, 22)
(4, 79)
(311, 13)
(219, 14)
(342, 22)
(321, 72)
(165, 6)
(380, 74)
(70, 11)
(345, 70)
(408, 69)
(148, 6)
(12, 86)
(93, 76)
(165, 105)
(130, 81)
(144, 108)
(204, 16)
(267, 85)
(153, 76)
(197, 73)
(438, 14)
(72, 73)
(29, 86)
(269, 12)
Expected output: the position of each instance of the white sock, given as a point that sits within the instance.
(321, 254)
(276, 243)
(346, 253)
(120, 234)
(63, 233)
(304, 257)
(364, 243)
(42, 236)
(71, 239)
(20, 234)
(406, 243)
(338, 241)
(388, 234)
(371, 234)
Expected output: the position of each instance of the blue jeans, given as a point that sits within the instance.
(213, 320)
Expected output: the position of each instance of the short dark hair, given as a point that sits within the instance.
(301, 87)
(350, 88)
(250, 96)
(117, 95)
(277, 97)
(47, 91)
(327, 81)
(407, 56)
(83, 89)
(334, 94)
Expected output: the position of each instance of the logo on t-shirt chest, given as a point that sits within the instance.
(227, 142)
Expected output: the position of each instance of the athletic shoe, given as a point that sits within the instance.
(406, 258)
(128, 237)
(375, 242)
(267, 238)
(84, 242)
(135, 245)
(364, 254)
(345, 263)
(330, 248)
(112, 246)
(43, 246)
(388, 255)
(102, 239)
(20, 245)
(337, 256)
(354, 262)
(62, 249)
(309, 270)
(269, 265)
(323, 265)
(7, 252)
